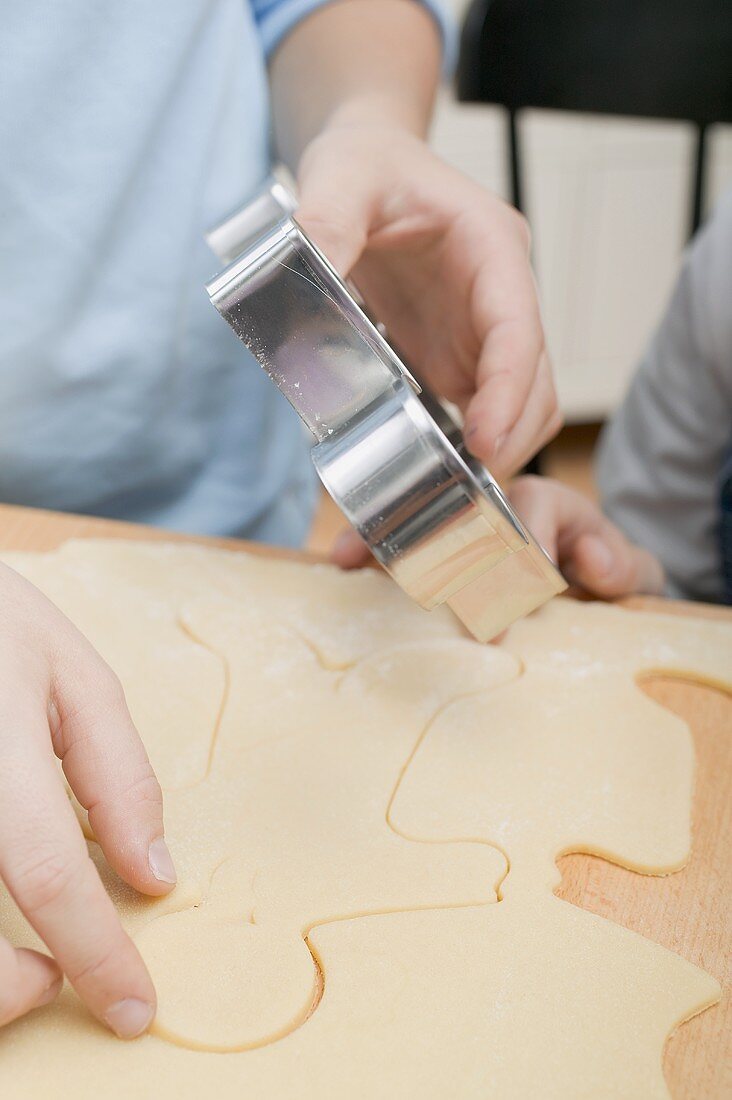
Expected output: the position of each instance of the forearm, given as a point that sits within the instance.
(354, 63)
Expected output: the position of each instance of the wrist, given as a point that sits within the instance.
(361, 133)
(365, 64)
(378, 110)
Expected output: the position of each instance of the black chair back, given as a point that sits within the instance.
(667, 59)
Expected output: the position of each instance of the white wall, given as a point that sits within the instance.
(608, 201)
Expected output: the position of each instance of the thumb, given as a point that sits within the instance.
(611, 566)
(336, 208)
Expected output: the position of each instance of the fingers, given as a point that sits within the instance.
(611, 567)
(28, 980)
(108, 770)
(508, 322)
(590, 550)
(538, 422)
(46, 867)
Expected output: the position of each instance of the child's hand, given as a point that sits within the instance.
(591, 552)
(58, 697)
(445, 265)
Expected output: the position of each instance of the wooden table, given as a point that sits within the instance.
(688, 912)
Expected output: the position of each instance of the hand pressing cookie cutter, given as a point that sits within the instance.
(393, 461)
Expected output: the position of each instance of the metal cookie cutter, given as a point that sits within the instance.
(392, 460)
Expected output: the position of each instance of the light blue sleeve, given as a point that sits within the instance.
(276, 18)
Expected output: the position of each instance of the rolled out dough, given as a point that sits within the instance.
(349, 784)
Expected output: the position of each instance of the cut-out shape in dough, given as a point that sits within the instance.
(226, 985)
(575, 756)
(508, 1000)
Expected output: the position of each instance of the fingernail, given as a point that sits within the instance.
(50, 993)
(497, 446)
(54, 718)
(161, 862)
(129, 1018)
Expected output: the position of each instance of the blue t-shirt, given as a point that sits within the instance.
(127, 130)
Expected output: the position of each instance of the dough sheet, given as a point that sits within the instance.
(351, 784)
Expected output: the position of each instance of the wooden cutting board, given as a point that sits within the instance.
(689, 912)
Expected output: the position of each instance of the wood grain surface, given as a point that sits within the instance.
(689, 912)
